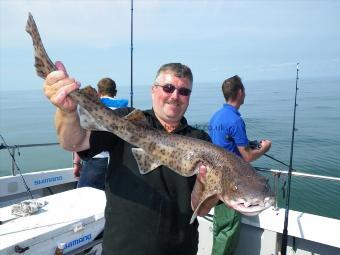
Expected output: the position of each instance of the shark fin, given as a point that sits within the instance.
(137, 117)
(207, 200)
(87, 121)
(145, 162)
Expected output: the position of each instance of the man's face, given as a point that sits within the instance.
(170, 107)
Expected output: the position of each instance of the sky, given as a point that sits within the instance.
(258, 39)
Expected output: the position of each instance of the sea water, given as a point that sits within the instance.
(26, 117)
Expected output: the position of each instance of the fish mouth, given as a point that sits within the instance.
(251, 208)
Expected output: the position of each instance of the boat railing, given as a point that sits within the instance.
(13, 149)
(276, 173)
(298, 173)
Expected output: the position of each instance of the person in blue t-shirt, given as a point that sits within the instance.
(228, 130)
(91, 173)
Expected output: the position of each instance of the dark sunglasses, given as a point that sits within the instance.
(169, 88)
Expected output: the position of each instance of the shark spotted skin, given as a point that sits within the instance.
(228, 177)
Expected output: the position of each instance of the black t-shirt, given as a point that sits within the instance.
(145, 214)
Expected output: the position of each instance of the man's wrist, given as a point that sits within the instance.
(67, 114)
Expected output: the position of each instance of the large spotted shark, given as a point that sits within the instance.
(228, 178)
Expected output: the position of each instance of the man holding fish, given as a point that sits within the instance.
(147, 211)
(145, 214)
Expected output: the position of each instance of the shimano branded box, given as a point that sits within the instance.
(73, 218)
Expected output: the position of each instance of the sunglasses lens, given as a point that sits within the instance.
(169, 88)
(184, 91)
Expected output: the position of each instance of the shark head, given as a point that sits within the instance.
(248, 192)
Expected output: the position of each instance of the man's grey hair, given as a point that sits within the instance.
(179, 70)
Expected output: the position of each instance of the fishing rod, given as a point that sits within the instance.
(285, 227)
(256, 145)
(4, 145)
(279, 161)
(131, 57)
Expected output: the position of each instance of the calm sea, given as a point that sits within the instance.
(26, 117)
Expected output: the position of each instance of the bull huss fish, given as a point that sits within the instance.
(228, 177)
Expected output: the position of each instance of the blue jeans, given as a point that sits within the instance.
(92, 173)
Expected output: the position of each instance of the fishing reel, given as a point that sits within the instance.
(254, 145)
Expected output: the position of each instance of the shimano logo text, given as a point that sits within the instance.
(78, 241)
(48, 180)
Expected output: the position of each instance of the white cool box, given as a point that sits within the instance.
(74, 217)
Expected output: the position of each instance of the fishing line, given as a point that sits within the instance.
(279, 161)
(131, 56)
(285, 182)
(285, 227)
(4, 145)
(256, 145)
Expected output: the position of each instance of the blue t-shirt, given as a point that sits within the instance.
(114, 103)
(227, 129)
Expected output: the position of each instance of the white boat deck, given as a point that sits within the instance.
(302, 225)
(261, 234)
(72, 217)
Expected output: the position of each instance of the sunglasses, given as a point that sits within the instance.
(169, 88)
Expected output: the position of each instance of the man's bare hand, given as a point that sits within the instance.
(57, 86)
(265, 145)
(197, 193)
(76, 170)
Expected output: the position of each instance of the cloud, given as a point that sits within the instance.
(216, 38)
(335, 60)
(85, 23)
(277, 66)
(105, 23)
